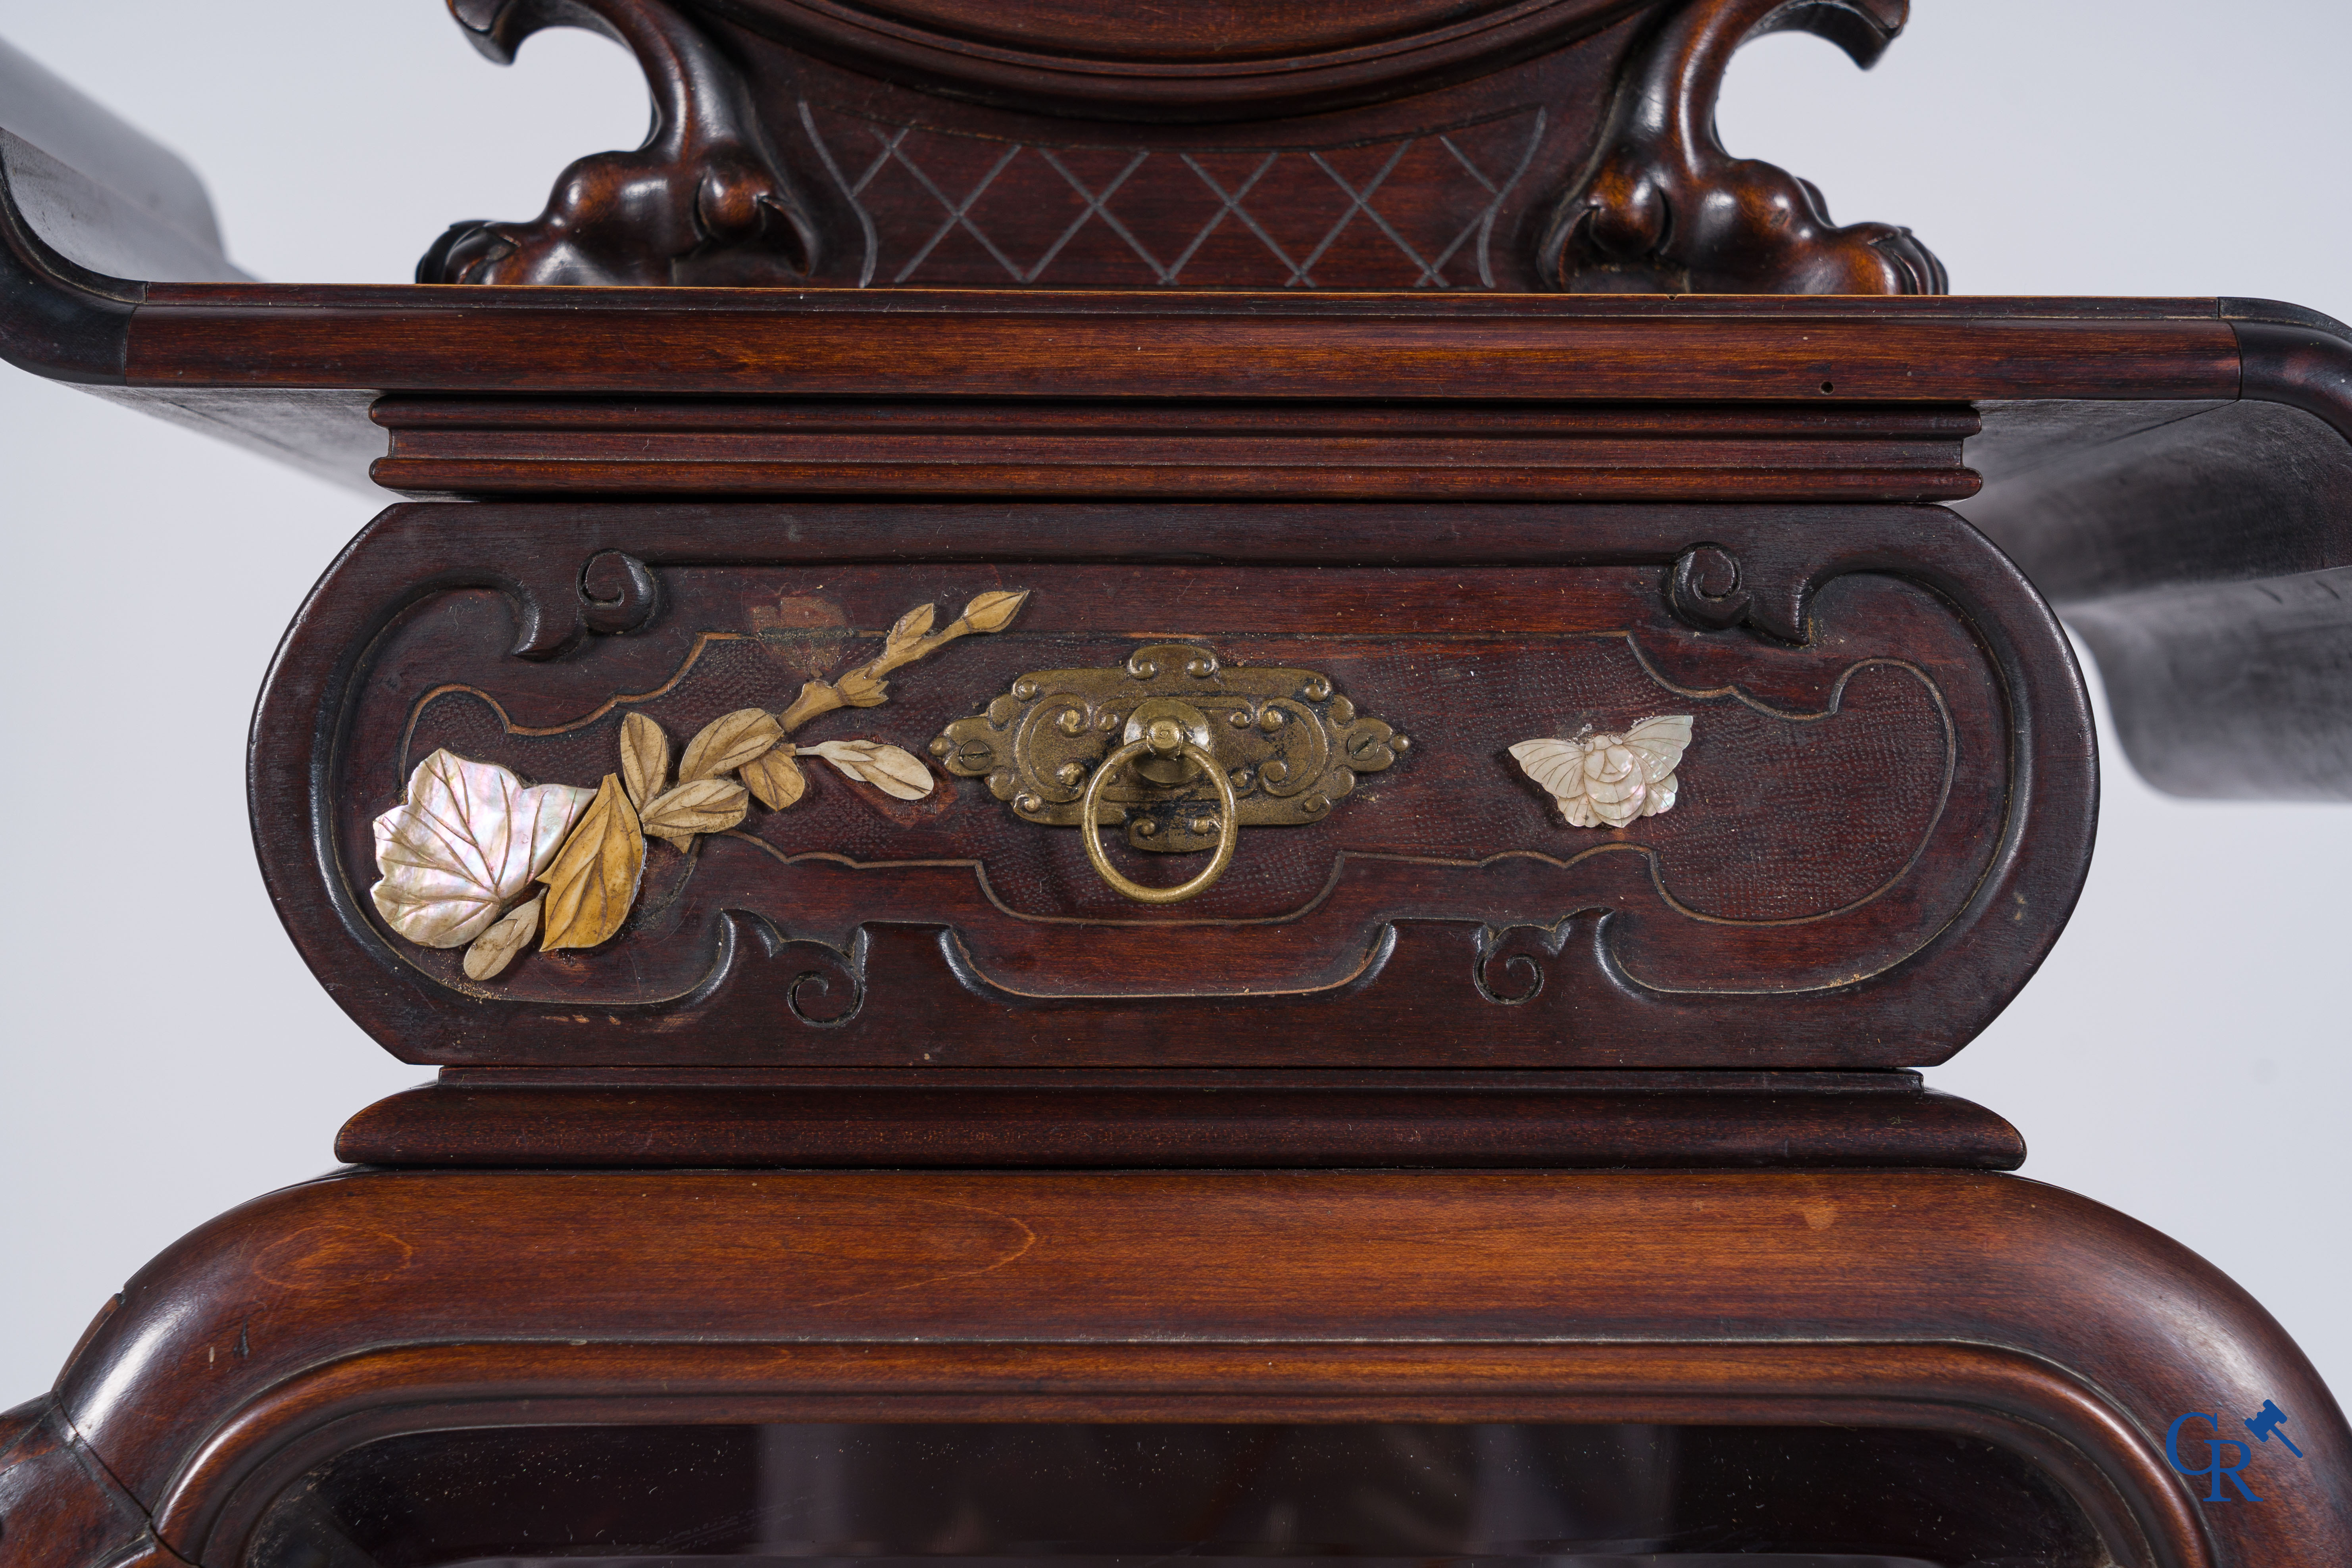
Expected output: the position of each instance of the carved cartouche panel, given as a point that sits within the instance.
(1841, 877)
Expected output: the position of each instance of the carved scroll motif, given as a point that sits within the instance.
(1663, 208)
(704, 201)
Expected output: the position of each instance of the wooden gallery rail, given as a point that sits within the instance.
(1199, 781)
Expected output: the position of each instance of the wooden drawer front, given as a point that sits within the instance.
(1878, 823)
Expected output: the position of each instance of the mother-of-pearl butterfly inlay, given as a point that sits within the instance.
(1608, 780)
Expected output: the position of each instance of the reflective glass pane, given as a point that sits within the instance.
(1139, 1496)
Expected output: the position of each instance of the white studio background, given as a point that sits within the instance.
(2186, 1054)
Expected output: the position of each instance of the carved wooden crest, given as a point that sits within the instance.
(1412, 145)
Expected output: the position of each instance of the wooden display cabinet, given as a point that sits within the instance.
(1199, 784)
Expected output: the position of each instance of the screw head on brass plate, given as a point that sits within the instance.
(1167, 726)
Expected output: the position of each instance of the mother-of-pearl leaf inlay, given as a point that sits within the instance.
(464, 845)
(1608, 780)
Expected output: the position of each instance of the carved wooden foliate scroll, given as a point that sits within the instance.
(1662, 207)
(1566, 143)
(704, 201)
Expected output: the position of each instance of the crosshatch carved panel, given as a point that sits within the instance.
(1408, 211)
(775, 767)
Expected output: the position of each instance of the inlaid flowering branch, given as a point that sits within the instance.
(459, 855)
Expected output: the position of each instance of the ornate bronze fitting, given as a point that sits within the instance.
(1181, 750)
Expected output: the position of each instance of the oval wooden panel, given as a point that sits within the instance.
(1206, 39)
(1208, 32)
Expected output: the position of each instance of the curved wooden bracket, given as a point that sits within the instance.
(371, 1304)
(1663, 208)
(704, 201)
(57, 319)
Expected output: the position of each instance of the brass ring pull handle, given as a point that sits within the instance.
(1283, 746)
(1165, 739)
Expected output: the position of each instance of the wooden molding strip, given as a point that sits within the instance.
(1173, 1118)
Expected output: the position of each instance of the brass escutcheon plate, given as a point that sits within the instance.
(1287, 742)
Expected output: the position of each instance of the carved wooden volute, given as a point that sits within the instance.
(1560, 144)
(1663, 208)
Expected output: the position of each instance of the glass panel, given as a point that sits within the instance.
(1079, 1496)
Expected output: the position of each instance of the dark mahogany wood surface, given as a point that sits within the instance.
(1112, 343)
(1054, 322)
(2203, 550)
(1174, 1119)
(1860, 888)
(1836, 806)
(58, 1506)
(2231, 505)
(1197, 62)
(1238, 450)
(352, 1309)
(99, 197)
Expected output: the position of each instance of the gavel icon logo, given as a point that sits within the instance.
(2219, 1466)
(2267, 1424)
